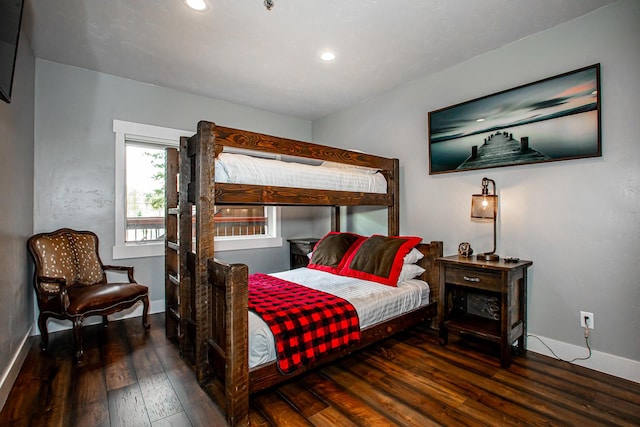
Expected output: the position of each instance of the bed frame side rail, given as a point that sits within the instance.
(254, 141)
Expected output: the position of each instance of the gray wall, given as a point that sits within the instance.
(74, 154)
(577, 220)
(580, 226)
(16, 214)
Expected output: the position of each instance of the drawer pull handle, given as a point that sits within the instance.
(471, 279)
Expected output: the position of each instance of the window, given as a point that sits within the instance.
(144, 189)
(139, 203)
(241, 221)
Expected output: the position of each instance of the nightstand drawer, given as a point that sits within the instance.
(474, 278)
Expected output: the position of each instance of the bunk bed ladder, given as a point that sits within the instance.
(186, 343)
(171, 248)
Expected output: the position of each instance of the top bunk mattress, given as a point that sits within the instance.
(243, 169)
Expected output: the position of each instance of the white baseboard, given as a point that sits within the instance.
(55, 325)
(13, 369)
(599, 361)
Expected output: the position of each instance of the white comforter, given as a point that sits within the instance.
(242, 169)
(373, 302)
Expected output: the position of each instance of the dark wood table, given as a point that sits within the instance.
(298, 250)
(484, 299)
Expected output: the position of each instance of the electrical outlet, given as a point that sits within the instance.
(587, 317)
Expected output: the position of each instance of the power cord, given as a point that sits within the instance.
(586, 340)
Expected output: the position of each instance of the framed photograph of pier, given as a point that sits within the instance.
(557, 118)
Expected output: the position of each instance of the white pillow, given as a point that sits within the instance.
(413, 256)
(410, 271)
(353, 168)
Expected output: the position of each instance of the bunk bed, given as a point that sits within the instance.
(207, 299)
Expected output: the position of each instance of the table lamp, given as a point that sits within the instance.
(485, 207)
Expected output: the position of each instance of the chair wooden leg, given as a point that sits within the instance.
(77, 334)
(44, 333)
(145, 313)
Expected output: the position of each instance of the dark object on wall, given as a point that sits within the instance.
(557, 118)
(10, 18)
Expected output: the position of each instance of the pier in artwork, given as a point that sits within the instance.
(501, 149)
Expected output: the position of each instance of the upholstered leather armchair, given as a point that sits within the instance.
(71, 283)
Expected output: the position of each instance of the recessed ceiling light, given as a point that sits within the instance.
(328, 56)
(199, 5)
(479, 120)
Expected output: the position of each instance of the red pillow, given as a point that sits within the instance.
(332, 251)
(379, 258)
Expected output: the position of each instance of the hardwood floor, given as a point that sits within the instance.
(129, 378)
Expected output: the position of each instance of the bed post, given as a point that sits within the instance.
(435, 251)
(228, 350)
(204, 171)
(335, 218)
(196, 189)
(393, 212)
(185, 237)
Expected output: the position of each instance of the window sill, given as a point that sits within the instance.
(146, 250)
(134, 250)
(248, 243)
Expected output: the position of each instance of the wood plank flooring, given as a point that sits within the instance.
(130, 378)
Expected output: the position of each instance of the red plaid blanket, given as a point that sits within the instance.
(306, 323)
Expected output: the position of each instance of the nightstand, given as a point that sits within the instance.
(484, 299)
(298, 249)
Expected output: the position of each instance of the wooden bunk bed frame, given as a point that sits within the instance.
(211, 316)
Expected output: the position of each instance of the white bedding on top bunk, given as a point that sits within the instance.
(373, 302)
(242, 169)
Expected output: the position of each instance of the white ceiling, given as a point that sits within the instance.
(240, 52)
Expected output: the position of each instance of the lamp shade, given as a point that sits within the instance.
(484, 206)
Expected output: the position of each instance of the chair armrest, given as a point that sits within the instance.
(62, 292)
(128, 269)
(62, 283)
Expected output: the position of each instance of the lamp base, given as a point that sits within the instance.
(488, 257)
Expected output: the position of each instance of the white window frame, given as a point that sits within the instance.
(272, 240)
(171, 137)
